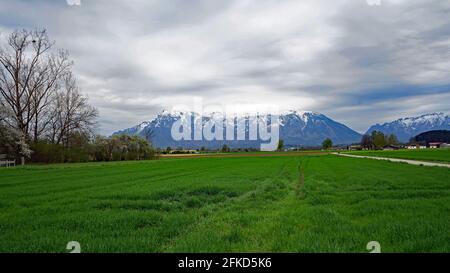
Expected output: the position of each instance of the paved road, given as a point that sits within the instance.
(412, 162)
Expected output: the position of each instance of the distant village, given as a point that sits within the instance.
(431, 145)
(437, 139)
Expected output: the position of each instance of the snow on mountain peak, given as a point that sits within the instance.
(408, 127)
(305, 116)
(297, 128)
(172, 113)
(431, 118)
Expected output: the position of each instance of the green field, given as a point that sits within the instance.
(438, 155)
(239, 204)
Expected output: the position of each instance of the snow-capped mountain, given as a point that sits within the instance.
(297, 129)
(405, 128)
(305, 128)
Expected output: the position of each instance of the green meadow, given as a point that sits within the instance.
(438, 155)
(314, 203)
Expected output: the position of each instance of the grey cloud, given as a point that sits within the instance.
(343, 58)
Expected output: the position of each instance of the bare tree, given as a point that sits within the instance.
(29, 75)
(45, 85)
(71, 113)
(39, 97)
(19, 62)
(367, 142)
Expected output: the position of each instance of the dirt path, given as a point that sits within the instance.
(412, 162)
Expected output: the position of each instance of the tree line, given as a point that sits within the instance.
(43, 114)
(377, 140)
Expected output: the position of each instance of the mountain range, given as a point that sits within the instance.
(405, 128)
(297, 129)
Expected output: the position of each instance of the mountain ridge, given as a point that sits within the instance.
(408, 127)
(297, 129)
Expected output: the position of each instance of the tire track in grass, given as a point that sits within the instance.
(209, 213)
(301, 182)
(203, 213)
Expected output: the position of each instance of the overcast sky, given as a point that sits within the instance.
(357, 63)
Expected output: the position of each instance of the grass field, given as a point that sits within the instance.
(246, 204)
(438, 155)
(245, 154)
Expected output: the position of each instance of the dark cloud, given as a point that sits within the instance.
(357, 63)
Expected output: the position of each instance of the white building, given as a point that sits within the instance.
(435, 145)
